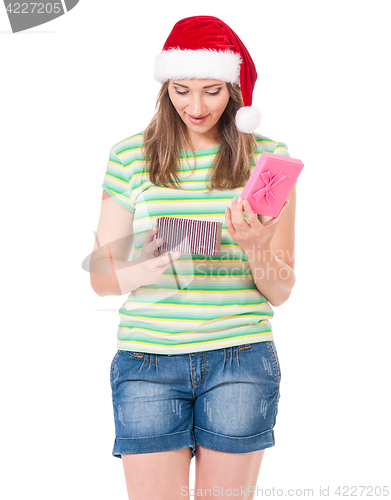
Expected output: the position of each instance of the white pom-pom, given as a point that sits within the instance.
(248, 119)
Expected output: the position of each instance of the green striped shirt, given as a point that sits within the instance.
(218, 304)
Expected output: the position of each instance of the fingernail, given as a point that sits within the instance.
(233, 201)
(239, 200)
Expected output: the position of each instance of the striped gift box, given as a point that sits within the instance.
(189, 236)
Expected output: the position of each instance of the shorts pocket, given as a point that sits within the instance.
(276, 361)
(112, 364)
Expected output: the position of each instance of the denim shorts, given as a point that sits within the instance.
(224, 399)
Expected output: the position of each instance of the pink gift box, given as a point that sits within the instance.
(270, 183)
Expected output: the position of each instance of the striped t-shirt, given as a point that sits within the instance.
(217, 304)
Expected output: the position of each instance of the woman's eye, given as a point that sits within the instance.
(185, 92)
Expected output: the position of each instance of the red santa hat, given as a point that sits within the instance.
(205, 47)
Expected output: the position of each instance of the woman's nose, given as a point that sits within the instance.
(196, 106)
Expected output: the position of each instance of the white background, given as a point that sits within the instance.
(74, 87)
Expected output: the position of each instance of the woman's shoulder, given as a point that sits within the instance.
(129, 149)
(268, 145)
(265, 143)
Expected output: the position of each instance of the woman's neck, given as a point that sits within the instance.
(201, 145)
(199, 142)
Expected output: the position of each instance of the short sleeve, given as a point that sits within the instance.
(282, 149)
(117, 181)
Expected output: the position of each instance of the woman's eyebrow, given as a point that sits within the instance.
(206, 87)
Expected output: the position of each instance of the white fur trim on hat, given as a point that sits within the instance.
(203, 63)
(248, 119)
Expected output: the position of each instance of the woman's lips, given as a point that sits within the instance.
(197, 121)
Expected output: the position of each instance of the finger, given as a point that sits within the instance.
(237, 214)
(165, 259)
(157, 242)
(228, 219)
(156, 247)
(150, 234)
(283, 209)
(274, 220)
(251, 216)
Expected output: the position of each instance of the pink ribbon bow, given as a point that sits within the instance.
(266, 190)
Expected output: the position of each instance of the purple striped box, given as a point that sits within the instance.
(189, 236)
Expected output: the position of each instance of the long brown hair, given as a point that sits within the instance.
(165, 136)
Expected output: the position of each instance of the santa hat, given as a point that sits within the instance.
(205, 47)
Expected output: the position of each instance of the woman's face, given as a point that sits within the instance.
(200, 103)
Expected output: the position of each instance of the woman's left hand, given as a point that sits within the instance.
(252, 234)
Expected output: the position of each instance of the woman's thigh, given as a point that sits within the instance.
(226, 474)
(163, 475)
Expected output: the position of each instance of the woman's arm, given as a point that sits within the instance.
(273, 267)
(110, 271)
(272, 276)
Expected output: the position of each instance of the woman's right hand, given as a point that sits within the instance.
(151, 267)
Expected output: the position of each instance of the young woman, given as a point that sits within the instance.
(196, 372)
